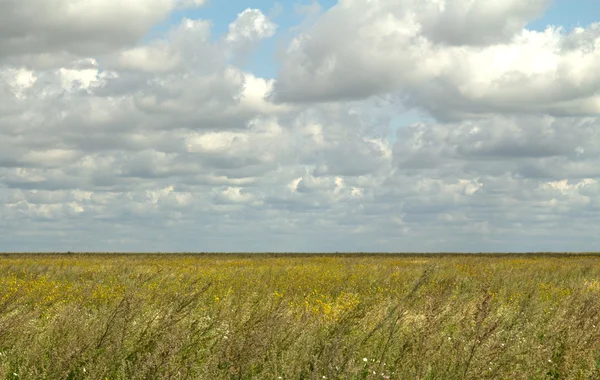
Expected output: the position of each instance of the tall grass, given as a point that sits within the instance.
(299, 317)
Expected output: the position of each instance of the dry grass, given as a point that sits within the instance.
(299, 317)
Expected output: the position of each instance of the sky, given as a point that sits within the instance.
(357, 125)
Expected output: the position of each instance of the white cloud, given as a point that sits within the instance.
(466, 22)
(187, 45)
(452, 58)
(51, 33)
(79, 78)
(169, 144)
(234, 195)
(155, 58)
(19, 80)
(190, 3)
(251, 26)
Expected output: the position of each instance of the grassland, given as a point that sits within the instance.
(299, 317)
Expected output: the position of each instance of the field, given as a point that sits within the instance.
(299, 317)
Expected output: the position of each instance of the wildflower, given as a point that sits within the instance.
(365, 360)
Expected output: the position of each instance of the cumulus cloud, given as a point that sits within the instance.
(465, 22)
(43, 34)
(186, 46)
(246, 32)
(113, 142)
(454, 59)
(251, 26)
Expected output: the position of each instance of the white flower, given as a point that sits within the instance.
(365, 360)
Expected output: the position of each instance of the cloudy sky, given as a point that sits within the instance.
(357, 125)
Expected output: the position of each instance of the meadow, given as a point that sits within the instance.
(104, 316)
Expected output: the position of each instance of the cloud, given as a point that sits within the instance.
(250, 26)
(47, 34)
(542, 146)
(465, 22)
(449, 180)
(233, 195)
(453, 59)
(170, 143)
(185, 46)
(190, 3)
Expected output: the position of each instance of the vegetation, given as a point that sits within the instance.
(299, 317)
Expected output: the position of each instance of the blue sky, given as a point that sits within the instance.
(569, 14)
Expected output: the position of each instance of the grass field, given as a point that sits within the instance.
(299, 317)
